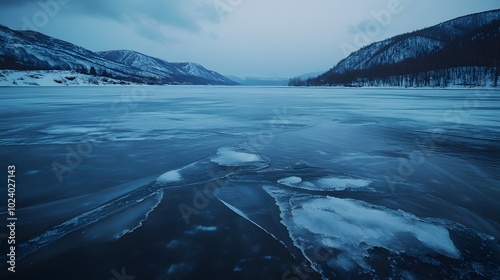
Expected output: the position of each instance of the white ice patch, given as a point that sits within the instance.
(343, 183)
(230, 157)
(169, 177)
(354, 227)
(206, 229)
(234, 157)
(326, 184)
(290, 180)
(69, 129)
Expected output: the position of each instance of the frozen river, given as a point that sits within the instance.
(253, 183)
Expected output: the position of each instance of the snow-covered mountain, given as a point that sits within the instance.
(30, 50)
(464, 51)
(188, 71)
(259, 81)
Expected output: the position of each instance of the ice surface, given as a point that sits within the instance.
(173, 244)
(239, 212)
(354, 227)
(109, 221)
(326, 183)
(463, 189)
(254, 204)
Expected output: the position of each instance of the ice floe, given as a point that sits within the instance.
(326, 183)
(353, 228)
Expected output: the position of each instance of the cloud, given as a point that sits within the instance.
(149, 31)
(187, 15)
(157, 20)
(10, 3)
(360, 27)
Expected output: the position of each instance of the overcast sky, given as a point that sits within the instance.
(266, 38)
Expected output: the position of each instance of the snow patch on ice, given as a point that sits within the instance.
(343, 183)
(290, 180)
(326, 184)
(233, 157)
(169, 177)
(228, 156)
(359, 222)
(206, 229)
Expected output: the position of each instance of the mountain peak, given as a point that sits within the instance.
(188, 72)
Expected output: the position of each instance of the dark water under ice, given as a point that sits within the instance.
(253, 183)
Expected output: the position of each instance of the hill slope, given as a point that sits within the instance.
(29, 50)
(463, 51)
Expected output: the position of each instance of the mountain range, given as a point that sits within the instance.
(30, 50)
(461, 52)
